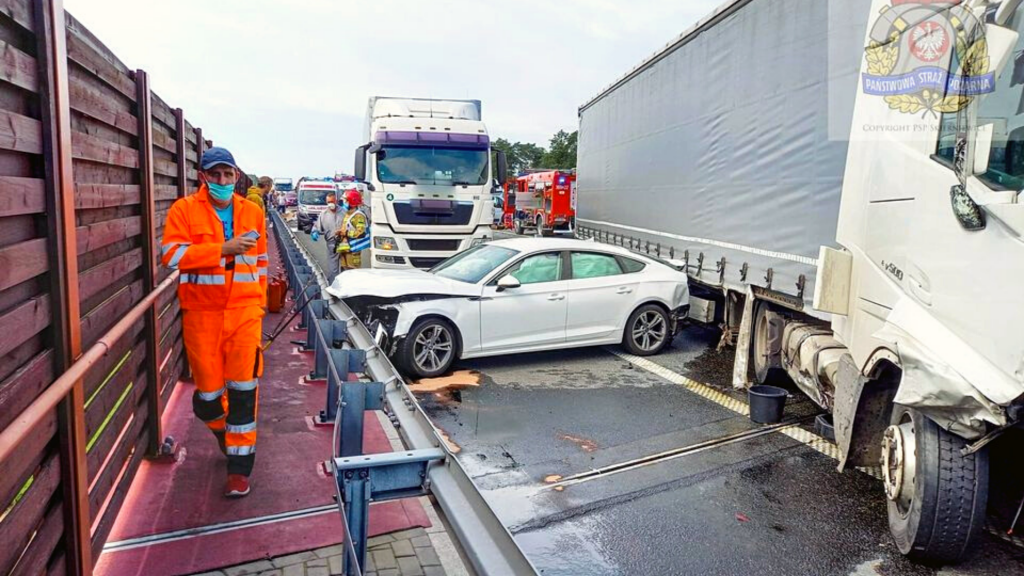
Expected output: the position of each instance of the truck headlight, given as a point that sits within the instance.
(385, 243)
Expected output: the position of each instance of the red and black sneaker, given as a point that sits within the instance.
(237, 486)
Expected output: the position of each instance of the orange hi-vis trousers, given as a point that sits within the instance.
(224, 353)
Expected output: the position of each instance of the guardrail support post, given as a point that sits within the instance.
(313, 312)
(334, 333)
(378, 477)
(356, 399)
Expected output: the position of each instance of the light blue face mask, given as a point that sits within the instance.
(221, 192)
(345, 206)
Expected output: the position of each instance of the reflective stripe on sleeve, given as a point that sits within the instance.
(263, 257)
(240, 428)
(177, 257)
(244, 277)
(208, 396)
(242, 385)
(263, 272)
(166, 248)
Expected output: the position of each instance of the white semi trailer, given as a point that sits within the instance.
(843, 182)
(427, 166)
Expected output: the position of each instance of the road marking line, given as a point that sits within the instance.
(805, 437)
(702, 390)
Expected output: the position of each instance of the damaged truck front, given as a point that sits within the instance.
(854, 220)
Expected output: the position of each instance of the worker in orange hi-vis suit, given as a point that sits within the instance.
(217, 240)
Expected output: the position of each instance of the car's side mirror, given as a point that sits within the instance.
(507, 283)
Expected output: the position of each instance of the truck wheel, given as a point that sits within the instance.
(648, 331)
(539, 227)
(937, 496)
(429, 349)
(764, 370)
(517, 226)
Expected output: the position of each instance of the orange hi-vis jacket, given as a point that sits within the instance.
(192, 242)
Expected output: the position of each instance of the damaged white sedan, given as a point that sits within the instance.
(513, 296)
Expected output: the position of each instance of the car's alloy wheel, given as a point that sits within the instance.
(430, 349)
(647, 331)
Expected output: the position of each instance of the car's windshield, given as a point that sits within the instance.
(474, 264)
(431, 165)
(313, 197)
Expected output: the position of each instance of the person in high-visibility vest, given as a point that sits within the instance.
(217, 240)
(329, 224)
(355, 232)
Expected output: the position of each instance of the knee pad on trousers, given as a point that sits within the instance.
(241, 406)
(206, 410)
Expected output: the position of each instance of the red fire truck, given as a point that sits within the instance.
(545, 203)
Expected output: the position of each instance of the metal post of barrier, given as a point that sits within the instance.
(314, 311)
(344, 361)
(378, 477)
(326, 334)
(356, 398)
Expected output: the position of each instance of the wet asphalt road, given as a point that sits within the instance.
(764, 505)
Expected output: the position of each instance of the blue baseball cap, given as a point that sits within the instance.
(215, 156)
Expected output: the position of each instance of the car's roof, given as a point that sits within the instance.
(535, 244)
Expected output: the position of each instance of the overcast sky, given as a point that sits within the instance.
(284, 83)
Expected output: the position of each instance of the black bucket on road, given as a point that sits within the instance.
(766, 404)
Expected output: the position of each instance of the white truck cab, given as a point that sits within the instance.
(428, 171)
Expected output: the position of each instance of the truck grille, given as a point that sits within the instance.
(425, 262)
(429, 245)
(456, 215)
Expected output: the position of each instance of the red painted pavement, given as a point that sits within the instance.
(165, 497)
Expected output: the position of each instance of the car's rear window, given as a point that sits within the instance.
(631, 266)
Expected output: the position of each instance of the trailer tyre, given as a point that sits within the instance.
(648, 331)
(937, 497)
(765, 371)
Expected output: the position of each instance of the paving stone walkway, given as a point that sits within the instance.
(406, 553)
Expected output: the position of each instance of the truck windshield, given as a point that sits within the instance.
(313, 197)
(474, 264)
(430, 165)
(1003, 110)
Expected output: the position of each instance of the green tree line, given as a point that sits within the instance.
(560, 154)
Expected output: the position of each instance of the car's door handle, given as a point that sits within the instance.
(624, 290)
(556, 297)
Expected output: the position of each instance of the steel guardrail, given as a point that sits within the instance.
(485, 542)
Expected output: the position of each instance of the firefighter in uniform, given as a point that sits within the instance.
(354, 234)
(217, 239)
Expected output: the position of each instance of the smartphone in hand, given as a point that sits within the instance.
(252, 235)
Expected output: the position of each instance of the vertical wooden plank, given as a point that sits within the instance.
(179, 150)
(149, 275)
(200, 147)
(66, 317)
